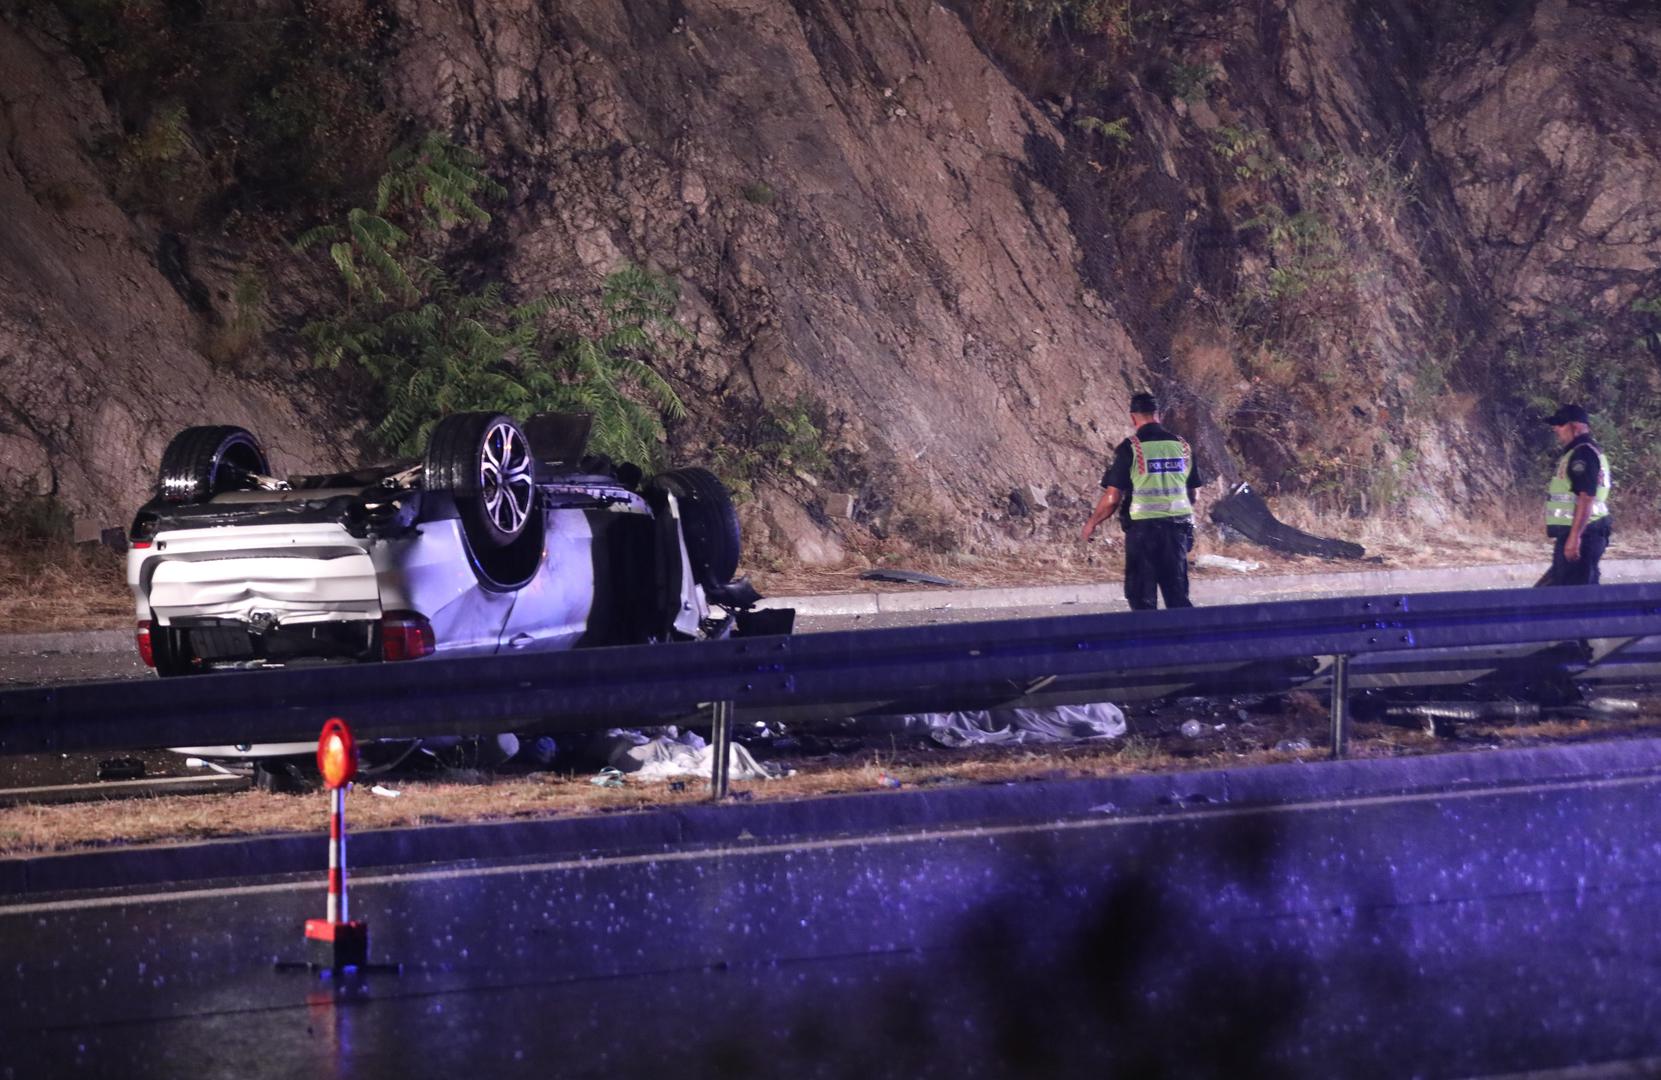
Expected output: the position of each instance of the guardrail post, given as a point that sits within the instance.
(1340, 702)
(721, 740)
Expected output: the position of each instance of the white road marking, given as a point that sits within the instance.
(120, 785)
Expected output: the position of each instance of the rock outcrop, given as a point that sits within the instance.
(102, 352)
(1550, 138)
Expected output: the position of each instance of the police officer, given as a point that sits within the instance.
(1577, 502)
(1151, 483)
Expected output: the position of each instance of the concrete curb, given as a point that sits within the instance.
(874, 813)
(1206, 590)
(67, 641)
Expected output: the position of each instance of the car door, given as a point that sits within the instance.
(433, 576)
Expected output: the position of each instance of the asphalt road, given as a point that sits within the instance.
(1448, 933)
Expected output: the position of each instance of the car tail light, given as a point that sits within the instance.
(146, 650)
(406, 635)
(139, 544)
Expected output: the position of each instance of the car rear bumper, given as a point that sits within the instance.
(287, 574)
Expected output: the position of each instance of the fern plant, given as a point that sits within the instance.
(1116, 132)
(436, 346)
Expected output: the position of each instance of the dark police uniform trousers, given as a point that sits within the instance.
(1594, 539)
(1156, 558)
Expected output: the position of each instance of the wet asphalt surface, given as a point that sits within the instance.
(36, 668)
(1433, 934)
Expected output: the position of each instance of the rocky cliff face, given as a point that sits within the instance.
(1548, 134)
(1338, 236)
(104, 318)
(853, 201)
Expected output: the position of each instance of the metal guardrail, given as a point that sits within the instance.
(831, 673)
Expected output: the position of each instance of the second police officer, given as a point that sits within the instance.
(1577, 501)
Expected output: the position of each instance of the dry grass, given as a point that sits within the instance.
(183, 818)
(53, 584)
(1390, 544)
(32, 830)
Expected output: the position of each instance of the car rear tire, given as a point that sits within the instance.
(201, 462)
(484, 461)
(709, 522)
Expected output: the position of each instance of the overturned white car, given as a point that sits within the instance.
(504, 537)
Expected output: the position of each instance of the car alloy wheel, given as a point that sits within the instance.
(486, 465)
(507, 483)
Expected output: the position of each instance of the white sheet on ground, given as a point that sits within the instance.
(672, 755)
(985, 727)
(1223, 562)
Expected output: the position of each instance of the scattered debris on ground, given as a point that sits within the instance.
(1006, 727)
(908, 577)
(667, 754)
(1209, 561)
(1176, 735)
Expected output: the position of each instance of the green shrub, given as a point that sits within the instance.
(159, 168)
(1248, 152)
(246, 323)
(1598, 364)
(1123, 22)
(1319, 400)
(28, 518)
(436, 345)
(773, 439)
(1647, 334)
(1308, 251)
(1190, 81)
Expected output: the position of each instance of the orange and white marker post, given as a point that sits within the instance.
(336, 941)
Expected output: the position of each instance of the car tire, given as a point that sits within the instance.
(485, 462)
(201, 462)
(709, 522)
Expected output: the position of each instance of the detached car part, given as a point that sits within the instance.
(1244, 511)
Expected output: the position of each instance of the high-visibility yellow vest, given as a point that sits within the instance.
(1560, 497)
(1159, 479)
